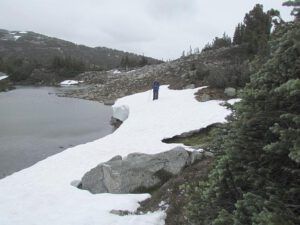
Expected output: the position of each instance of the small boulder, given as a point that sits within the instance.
(190, 86)
(230, 92)
(196, 156)
(204, 98)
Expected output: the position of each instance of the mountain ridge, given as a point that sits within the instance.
(40, 50)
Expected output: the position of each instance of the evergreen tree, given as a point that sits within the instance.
(143, 61)
(296, 10)
(67, 66)
(196, 50)
(224, 41)
(182, 55)
(238, 34)
(190, 51)
(125, 62)
(256, 179)
(257, 30)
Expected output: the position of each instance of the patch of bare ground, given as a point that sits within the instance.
(171, 196)
(209, 93)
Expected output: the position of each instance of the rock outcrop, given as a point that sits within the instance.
(137, 172)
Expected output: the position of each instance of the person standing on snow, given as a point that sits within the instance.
(155, 88)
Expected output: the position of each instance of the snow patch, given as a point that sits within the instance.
(116, 71)
(43, 194)
(69, 82)
(23, 32)
(16, 37)
(131, 71)
(233, 101)
(3, 77)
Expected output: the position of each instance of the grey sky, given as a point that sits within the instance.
(157, 28)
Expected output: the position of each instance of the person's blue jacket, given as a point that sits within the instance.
(155, 86)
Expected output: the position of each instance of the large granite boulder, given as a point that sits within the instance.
(136, 173)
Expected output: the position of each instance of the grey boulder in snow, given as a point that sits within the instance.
(136, 173)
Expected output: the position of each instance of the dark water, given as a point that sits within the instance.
(35, 123)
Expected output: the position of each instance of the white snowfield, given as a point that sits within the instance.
(3, 77)
(69, 82)
(42, 194)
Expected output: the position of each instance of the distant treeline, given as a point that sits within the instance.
(20, 69)
(127, 62)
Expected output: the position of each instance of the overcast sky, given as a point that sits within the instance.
(156, 28)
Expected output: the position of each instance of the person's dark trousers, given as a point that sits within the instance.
(155, 95)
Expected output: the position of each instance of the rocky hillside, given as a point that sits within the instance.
(218, 68)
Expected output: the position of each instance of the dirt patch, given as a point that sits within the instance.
(211, 94)
(171, 196)
(198, 139)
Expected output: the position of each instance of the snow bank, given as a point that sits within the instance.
(3, 77)
(69, 82)
(43, 194)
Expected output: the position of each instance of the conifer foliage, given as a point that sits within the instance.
(256, 178)
(296, 11)
(255, 31)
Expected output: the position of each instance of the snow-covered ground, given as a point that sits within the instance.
(43, 195)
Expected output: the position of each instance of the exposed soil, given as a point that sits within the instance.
(171, 196)
(196, 139)
(213, 93)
